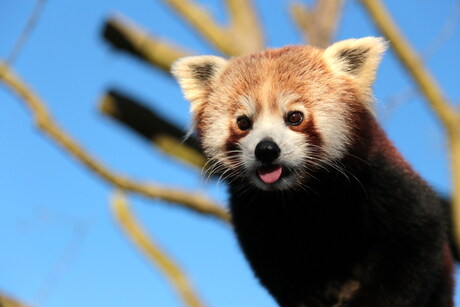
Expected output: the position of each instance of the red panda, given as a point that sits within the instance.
(326, 210)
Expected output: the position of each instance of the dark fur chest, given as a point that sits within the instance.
(311, 241)
(341, 239)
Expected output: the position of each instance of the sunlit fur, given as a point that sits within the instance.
(275, 86)
(349, 222)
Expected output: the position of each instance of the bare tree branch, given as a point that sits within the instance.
(448, 115)
(153, 252)
(441, 37)
(205, 25)
(126, 36)
(427, 84)
(320, 24)
(153, 127)
(245, 26)
(6, 301)
(302, 17)
(44, 121)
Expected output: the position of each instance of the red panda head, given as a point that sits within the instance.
(276, 117)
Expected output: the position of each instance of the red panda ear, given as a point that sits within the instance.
(195, 74)
(358, 58)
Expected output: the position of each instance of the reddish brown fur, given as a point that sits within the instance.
(296, 69)
(311, 132)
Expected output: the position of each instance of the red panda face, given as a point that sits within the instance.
(274, 118)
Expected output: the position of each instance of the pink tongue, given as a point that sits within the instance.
(270, 174)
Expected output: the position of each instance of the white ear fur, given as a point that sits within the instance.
(358, 58)
(195, 73)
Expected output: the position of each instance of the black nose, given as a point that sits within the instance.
(267, 151)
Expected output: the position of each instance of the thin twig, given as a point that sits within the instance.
(430, 89)
(445, 32)
(320, 24)
(443, 35)
(205, 25)
(126, 36)
(44, 121)
(62, 264)
(153, 252)
(396, 100)
(30, 25)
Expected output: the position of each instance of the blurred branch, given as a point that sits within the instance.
(6, 301)
(30, 25)
(44, 121)
(152, 127)
(319, 24)
(448, 115)
(130, 38)
(134, 231)
(205, 25)
(245, 34)
(443, 35)
(411, 62)
(245, 26)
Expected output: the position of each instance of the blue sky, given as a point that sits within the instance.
(60, 245)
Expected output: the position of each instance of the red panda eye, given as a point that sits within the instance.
(244, 123)
(294, 118)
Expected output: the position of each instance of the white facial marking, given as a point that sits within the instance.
(333, 129)
(285, 101)
(214, 143)
(272, 126)
(296, 154)
(248, 107)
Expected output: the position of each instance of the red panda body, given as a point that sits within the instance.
(326, 210)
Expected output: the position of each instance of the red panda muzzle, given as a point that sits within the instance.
(267, 152)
